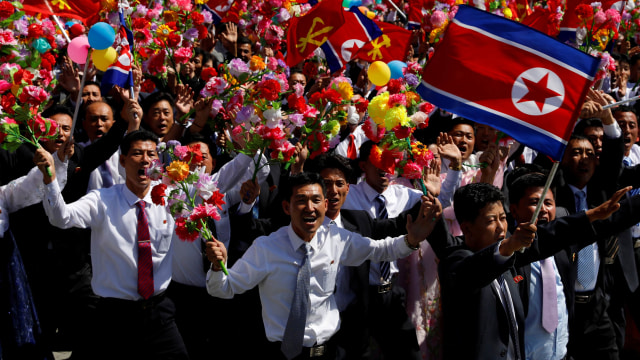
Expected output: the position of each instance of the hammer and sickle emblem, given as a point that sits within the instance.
(62, 5)
(311, 35)
(376, 53)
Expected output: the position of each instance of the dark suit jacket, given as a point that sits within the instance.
(476, 325)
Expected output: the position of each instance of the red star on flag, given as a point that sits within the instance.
(538, 92)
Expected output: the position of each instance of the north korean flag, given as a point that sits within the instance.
(357, 31)
(85, 11)
(504, 74)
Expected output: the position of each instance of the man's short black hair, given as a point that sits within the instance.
(55, 110)
(301, 179)
(191, 138)
(586, 123)
(520, 185)
(459, 120)
(331, 161)
(138, 135)
(624, 109)
(365, 150)
(245, 40)
(468, 200)
(155, 98)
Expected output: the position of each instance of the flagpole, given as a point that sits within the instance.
(621, 102)
(79, 98)
(547, 185)
(397, 9)
(64, 33)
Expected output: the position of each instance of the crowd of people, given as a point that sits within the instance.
(356, 221)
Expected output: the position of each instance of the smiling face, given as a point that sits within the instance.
(159, 118)
(464, 138)
(629, 126)
(139, 157)
(307, 207)
(64, 132)
(524, 209)
(489, 227)
(337, 190)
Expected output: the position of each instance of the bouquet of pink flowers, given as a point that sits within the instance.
(191, 196)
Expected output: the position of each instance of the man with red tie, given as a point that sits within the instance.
(131, 258)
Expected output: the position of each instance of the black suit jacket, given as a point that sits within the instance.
(476, 325)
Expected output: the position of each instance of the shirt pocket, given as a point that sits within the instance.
(329, 274)
(162, 238)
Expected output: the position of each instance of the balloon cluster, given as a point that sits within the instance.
(101, 38)
(380, 73)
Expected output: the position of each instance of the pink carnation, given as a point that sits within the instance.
(203, 211)
(412, 170)
(599, 17)
(182, 55)
(438, 18)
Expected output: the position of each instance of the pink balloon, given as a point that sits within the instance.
(78, 49)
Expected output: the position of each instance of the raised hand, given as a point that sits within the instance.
(448, 150)
(184, 99)
(607, 208)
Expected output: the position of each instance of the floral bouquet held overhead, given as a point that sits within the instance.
(191, 196)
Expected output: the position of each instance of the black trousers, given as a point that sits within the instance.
(145, 329)
(592, 336)
(390, 325)
(273, 352)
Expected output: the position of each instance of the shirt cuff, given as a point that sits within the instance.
(499, 258)
(244, 208)
(612, 131)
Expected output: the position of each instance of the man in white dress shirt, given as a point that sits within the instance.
(273, 264)
(131, 258)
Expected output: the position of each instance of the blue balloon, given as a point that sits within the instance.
(101, 36)
(396, 67)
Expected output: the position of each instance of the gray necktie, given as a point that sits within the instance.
(587, 272)
(381, 213)
(294, 331)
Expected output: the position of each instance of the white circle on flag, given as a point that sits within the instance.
(124, 60)
(537, 91)
(348, 46)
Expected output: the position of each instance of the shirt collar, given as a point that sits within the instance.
(296, 241)
(132, 198)
(338, 221)
(574, 189)
(369, 192)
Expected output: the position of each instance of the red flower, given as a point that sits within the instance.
(158, 194)
(6, 9)
(318, 144)
(372, 131)
(361, 104)
(394, 86)
(48, 60)
(172, 25)
(202, 32)
(204, 211)
(194, 154)
(35, 31)
(21, 75)
(268, 133)
(270, 90)
(216, 199)
(183, 231)
(296, 103)
(173, 40)
(384, 160)
(33, 94)
(584, 11)
(7, 102)
(315, 97)
(42, 127)
(402, 131)
(147, 86)
(411, 170)
(140, 23)
(310, 70)
(208, 73)
(332, 96)
(196, 18)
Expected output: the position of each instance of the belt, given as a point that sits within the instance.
(584, 297)
(141, 304)
(384, 288)
(315, 351)
(636, 243)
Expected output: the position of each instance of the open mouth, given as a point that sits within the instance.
(162, 127)
(309, 219)
(333, 201)
(627, 140)
(99, 133)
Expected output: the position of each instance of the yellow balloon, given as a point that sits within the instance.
(102, 59)
(379, 73)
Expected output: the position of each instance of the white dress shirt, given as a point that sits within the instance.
(112, 216)
(26, 191)
(398, 198)
(115, 171)
(272, 263)
(595, 254)
(188, 267)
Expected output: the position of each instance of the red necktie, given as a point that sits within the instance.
(352, 152)
(145, 265)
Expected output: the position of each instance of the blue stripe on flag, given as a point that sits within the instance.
(513, 31)
(521, 131)
(368, 25)
(333, 60)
